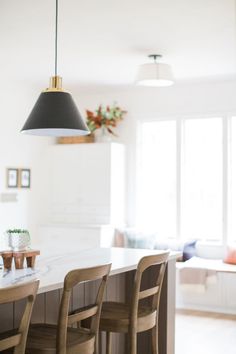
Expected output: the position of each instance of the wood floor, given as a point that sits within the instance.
(205, 333)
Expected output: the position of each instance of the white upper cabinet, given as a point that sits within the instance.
(87, 184)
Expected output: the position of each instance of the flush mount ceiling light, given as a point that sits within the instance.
(155, 74)
(55, 112)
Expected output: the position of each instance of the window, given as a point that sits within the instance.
(157, 180)
(187, 178)
(202, 179)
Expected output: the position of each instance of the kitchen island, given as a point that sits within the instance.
(52, 270)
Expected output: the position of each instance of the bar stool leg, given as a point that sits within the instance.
(108, 342)
(100, 342)
(97, 344)
(154, 341)
(132, 342)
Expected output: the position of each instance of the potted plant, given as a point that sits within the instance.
(104, 118)
(19, 239)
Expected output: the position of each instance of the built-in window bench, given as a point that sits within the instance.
(203, 282)
(206, 284)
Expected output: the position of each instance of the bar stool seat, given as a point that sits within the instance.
(116, 317)
(44, 336)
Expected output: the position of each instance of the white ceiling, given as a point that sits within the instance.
(102, 42)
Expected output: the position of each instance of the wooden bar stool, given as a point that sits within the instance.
(135, 317)
(61, 339)
(17, 338)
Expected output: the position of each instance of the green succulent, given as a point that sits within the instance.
(17, 231)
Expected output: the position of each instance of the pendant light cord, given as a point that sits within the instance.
(56, 35)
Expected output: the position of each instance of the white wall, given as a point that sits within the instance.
(21, 151)
(187, 99)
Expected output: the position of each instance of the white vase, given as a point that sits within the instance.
(19, 241)
(102, 135)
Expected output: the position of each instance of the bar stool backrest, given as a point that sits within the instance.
(155, 292)
(26, 291)
(73, 278)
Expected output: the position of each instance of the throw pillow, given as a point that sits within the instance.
(137, 239)
(230, 257)
(189, 250)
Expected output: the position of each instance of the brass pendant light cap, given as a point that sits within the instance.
(55, 84)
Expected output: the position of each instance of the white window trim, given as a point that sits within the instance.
(226, 166)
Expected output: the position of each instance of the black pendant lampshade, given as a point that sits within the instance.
(55, 112)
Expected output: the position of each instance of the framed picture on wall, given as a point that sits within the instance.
(12, 177)
(24, 180)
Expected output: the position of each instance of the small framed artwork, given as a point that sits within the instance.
(12, 177)
(24, 178)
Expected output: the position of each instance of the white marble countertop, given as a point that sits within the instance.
(52, 270)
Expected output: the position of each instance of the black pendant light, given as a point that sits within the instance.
(55, 112)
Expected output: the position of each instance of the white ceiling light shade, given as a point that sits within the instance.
(155, 74)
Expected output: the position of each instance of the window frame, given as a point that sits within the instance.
(180, 120)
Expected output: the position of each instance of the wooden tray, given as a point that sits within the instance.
(19, 257)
